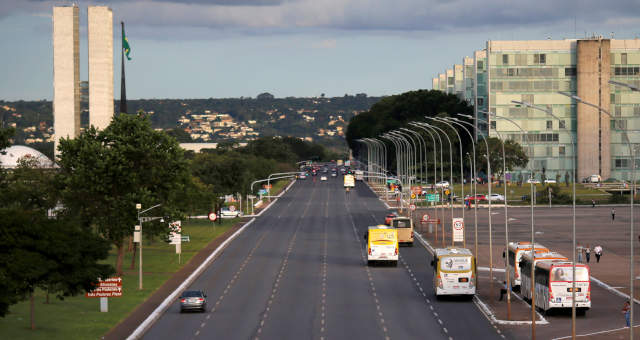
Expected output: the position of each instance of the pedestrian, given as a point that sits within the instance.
(598, 251)
(613, 214)
(593, 203)
(626, 310)
(503, 290)
(579, 253)
(587, 253)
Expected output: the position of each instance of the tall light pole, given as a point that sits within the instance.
(418, 147)
(506, 219)
(474, 175)
(450, 175)
(396, 145)
(489, 180)
(435, 162)
(138, 207)
(446, 122)
(409, 148)
(632, 194)
(412, 146)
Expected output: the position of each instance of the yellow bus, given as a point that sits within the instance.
(454, 272)
(382, 244)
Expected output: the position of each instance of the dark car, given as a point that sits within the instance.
(193, 300)
(389, 218)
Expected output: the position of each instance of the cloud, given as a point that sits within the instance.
(327, 43)
(260, 16)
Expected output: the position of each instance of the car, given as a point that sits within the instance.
(495, 197)
(389, 218)
(334, 174)
(475, 198)
(594, 179)
(323, 178)
(533, 181)
(227, 213)
(302, 176)
(442, 184)
(550, 181)
(193, 300)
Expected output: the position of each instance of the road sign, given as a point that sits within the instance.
(458, 229)
(111, 287)
(447, 192)
(251, 197)
(267, 186)
(413, 196)
(425, 217)
(185, 238)
(175, 226)
(212, 216)
(433, 197)
(416, 190)
(412, 207)
(262, 191)
(175, 238)
(232, 208)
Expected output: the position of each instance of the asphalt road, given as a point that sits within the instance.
(299, 272)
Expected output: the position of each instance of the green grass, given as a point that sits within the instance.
(79, 317)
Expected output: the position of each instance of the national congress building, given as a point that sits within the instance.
(535, 72)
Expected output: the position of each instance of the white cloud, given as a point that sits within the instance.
(327, 43)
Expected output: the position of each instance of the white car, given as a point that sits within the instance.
(495, 197)
(533, 180)
(550, 181)
(442, 184)
(323, 178)
(226, 213)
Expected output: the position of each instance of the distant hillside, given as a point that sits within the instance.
(320, 119)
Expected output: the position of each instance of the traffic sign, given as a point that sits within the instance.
(413, 196)
(262, 191)
(447, 192)
(212, 216)
(251, 197)
(185, 238)
(433, 197)
(111, 287)
(416, 190)
(232, 208)
(458, 229)
(425, 217)
(267, 186)
(412, 207)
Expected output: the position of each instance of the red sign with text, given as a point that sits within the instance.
(111, 287)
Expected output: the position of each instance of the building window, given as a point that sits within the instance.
(623, 59)
(618, 124)
(480, 65)
(570, 71)
(480, 101)
(618, 110)
(622, 163)
(636, 110)
(626, 71)
(549, 151)
(562, 124)
(539, 58)
(450, 81)
(561, 151)
(505, 59)
(549, 125)
(493, 125)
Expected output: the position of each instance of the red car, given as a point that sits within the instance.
(389, 217)
(475, 198)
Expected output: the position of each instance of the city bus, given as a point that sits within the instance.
(382, 244)
(515, 252)
(404, 226)
(553, 284)
(349, 181)
(454, 272)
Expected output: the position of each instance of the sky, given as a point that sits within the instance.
(302, 48)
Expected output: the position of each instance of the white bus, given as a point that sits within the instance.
(515, 252)
(454, 272)
(359, 175)
(553, 284)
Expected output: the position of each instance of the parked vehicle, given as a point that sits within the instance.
(533, 181)
(227, 213)
(595, 179)
(193, 300)
(442, 184)
(475, 198)
(550, 181)
(495, 197)
(515, 252)
(454, 272)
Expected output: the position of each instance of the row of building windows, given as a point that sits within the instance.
(532, 72)
(521, 59)
(533, 85)
(533, 137)
(625, 71)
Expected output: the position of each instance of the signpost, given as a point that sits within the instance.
(213, 217)
(175, 228)
(458, 230)
(111, 287)
(416, 190)
(425, 218)
(413, 196)
(433, 197)
(412, 207)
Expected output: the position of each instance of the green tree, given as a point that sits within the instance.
(103, 174)
(515, 155)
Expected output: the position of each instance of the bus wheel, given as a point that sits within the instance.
(581, 311)
(395, 263)
(369, 263)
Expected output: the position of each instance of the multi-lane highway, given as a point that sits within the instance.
(299, 272)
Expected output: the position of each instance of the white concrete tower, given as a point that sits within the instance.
(66, 73)
(100, 31)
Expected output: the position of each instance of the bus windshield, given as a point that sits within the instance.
(455, 263)
(565, 274)
(401, 223)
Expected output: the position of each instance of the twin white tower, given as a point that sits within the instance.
(66, 70)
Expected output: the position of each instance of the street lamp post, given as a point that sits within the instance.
(418, 147)
(450, 176)
(408, 148)
(435, 163)
(138, 207)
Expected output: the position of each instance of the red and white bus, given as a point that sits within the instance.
(553, 283)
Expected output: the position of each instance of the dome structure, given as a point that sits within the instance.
(14, 153)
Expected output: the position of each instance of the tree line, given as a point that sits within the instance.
(59, 225)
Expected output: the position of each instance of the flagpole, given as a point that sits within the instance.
(123, 89)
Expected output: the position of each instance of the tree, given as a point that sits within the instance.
(103, 174)
(515, 155)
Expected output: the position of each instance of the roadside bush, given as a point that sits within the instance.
(617, 198)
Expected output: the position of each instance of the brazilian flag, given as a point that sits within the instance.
(125, 45)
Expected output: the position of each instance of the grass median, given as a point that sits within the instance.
(80, 317)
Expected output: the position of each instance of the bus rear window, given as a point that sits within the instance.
(455, 263)
(565, 274)
(401, 224)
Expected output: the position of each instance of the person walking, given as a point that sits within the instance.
(503, 290)
(626, 310)
(598, 251)
(613, 214)
(587, 253)
(593, 203)
(579, 250)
